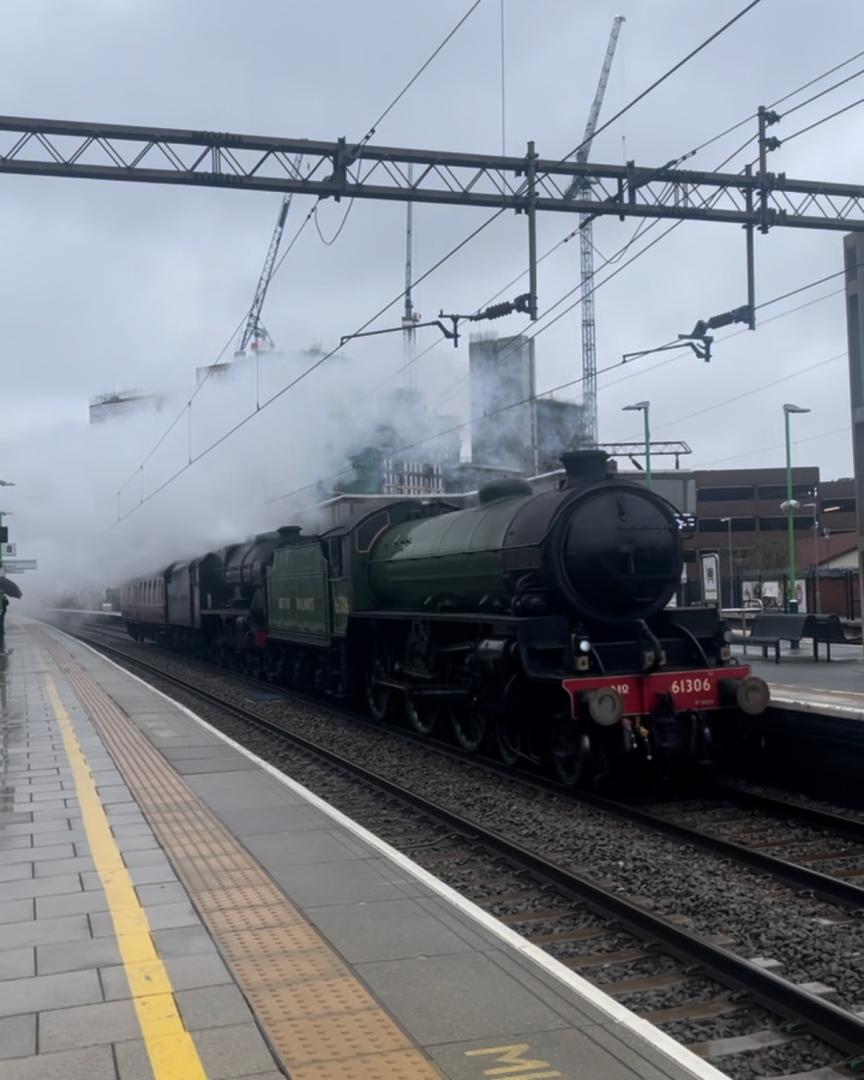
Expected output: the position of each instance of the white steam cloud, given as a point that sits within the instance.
(67, 472)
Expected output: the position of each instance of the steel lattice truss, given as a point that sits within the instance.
(337, 170)
(665, 448)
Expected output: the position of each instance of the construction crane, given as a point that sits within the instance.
(254, 332)
(586, 254)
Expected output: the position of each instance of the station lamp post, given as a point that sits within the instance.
(644, 407)
(727, 521)
(789, 506)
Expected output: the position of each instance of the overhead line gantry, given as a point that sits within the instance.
(527, 185)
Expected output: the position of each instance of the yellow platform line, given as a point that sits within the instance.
(172, 1052)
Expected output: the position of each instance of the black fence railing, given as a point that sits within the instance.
(831, 591)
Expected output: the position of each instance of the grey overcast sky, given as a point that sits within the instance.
(108, 286)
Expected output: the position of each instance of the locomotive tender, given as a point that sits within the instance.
(536, 621)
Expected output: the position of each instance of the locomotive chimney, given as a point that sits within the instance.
(585, 466)
(289, 533)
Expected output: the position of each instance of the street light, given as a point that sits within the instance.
(728, 521)
(7, 483)
(643, 407)
(790, 506)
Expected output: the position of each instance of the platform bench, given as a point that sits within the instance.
(769, 629)
(828, 630)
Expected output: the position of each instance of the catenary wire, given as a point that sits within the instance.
(459, 426)
(663, 363)
(420, 71)
(503, 83)
(755, 390)
(666, 232)
(644, 225)
(779, 446)
(200, 386)
(725, 337)
(657, 82)
(312, 213)
(822, 93)
(460, 382)
(734, 334)
(329, 241)
(800, 289)
(298, 378)
(824, 120)
(773, 105)
(818, 78)
(193, 459)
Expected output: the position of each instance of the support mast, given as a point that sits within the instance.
(409, 319)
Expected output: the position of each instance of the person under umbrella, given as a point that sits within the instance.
(7, 588)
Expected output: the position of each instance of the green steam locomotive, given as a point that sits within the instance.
(537, 623)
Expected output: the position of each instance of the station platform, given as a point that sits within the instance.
(798, 683)
(173, 908)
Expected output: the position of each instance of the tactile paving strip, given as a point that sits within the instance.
(318, 1017)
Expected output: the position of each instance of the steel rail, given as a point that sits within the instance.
(824, 886)
(832, 1023)
(786, 807)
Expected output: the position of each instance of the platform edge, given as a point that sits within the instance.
(616, 1012)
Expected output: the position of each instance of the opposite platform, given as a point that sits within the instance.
(172, 908)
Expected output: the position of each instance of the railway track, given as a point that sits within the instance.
(738, 838)
(565, 910)
(746, 845)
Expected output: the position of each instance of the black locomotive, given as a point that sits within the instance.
(539, 622)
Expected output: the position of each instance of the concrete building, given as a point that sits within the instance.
(525, 438)
(501, 372)
(749, 501)
(117, 405)
(751, 498)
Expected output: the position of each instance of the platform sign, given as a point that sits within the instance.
(17, 566)
(710, 577)
(10, 549)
